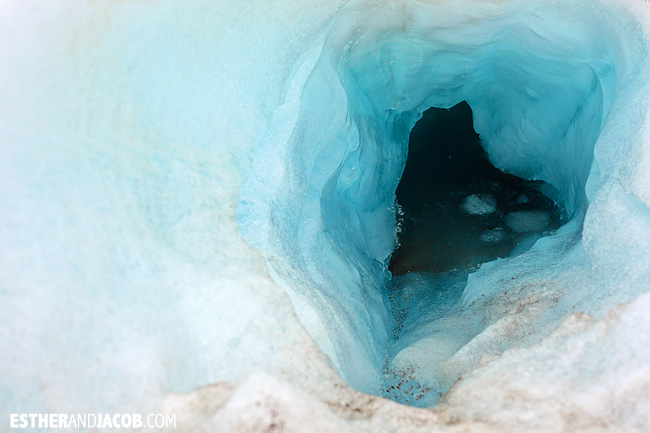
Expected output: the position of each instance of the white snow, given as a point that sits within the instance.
(200, 192)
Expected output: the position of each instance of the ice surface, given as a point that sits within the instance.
(323, 212)
(139, 139)
(479, 204)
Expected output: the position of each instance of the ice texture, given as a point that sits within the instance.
(479, 204)
(194, 192)
(319, 203)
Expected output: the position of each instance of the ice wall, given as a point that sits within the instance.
(138, 139)
(319, 202)
(125, 134)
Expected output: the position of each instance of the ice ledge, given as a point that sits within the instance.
(533, 389)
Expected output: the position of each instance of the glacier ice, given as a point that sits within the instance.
(198, 192)
(323, 211)
(479, 204)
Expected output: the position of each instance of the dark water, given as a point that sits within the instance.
(458, 209)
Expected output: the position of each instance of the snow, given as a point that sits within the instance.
(204, 192)
(479, 204)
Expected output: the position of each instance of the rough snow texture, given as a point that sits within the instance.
(131, 133)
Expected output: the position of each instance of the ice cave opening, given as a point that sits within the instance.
(320, 200)
(218, 211)
(456, 210)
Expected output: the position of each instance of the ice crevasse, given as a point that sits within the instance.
(204, 193)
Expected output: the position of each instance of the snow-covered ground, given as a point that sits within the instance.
(198, 209)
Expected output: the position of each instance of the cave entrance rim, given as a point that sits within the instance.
(319, 202)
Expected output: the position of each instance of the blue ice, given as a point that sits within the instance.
(320, 202)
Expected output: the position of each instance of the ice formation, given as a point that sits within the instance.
(479, 204)
(204, 192)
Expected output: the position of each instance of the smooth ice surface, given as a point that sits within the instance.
(141, 140)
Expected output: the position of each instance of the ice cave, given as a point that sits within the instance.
(346, 216)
